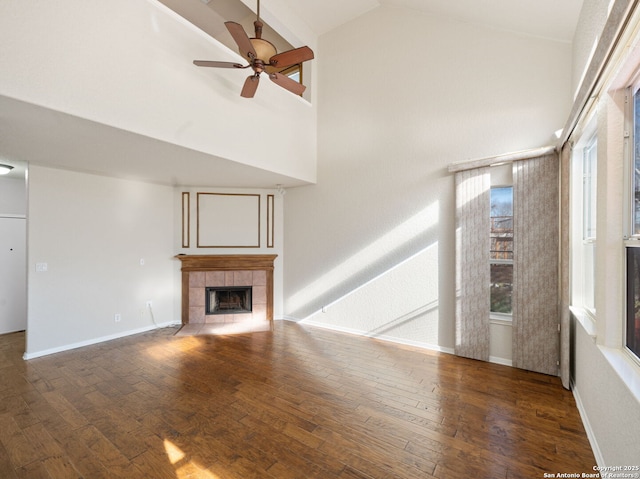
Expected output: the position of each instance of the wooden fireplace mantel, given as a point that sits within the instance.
(226, 262)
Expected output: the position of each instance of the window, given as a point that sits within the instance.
(632, 329)
(501, 255)
(633, 300)
(583, 205)
(294, 72)
(636, 164)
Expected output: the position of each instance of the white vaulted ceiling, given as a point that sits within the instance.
(553, 19)
(184, 116)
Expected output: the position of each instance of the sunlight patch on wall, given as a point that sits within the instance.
(383, 246)
(401, 304)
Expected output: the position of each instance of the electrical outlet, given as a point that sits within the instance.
(117, 317)
(149, 304)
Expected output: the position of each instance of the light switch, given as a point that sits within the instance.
(41, 267)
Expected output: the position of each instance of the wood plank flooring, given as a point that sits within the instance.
(292, 403)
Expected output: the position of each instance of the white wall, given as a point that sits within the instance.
(13, 196)
(609, 409)
(402, 95)
(92, 232)
(593, 16)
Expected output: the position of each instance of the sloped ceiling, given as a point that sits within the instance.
(553, 19)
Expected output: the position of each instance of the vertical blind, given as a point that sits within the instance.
(472, 263)
(535, 338)
(535, 267)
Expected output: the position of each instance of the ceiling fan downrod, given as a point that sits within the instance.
(258, 24)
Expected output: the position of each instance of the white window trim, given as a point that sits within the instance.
(587, 137)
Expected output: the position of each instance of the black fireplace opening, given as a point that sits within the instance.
(228, 299)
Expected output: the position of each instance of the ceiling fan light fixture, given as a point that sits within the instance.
(262, 56)
(5, 169)
(264, 49)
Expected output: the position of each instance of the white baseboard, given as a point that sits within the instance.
(587, 426)
(503, 361)
(392, 339)
(358, 332)
(102, 339)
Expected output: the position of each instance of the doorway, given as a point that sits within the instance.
(13, 281)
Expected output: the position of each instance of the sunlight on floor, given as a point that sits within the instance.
(165, 352)
(174, 453)
(185, 468)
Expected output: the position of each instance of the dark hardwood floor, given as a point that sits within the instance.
(292, 403)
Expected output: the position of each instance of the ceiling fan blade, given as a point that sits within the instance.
(206, 63)
(250, 86)
(241, 38)
(291, 57)
(287, 83)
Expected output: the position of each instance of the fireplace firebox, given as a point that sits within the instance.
(228, 300)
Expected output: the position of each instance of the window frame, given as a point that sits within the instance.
(590, 190)
(630, 239)
(583, 290)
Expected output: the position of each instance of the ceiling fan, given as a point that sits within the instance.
(262, 57)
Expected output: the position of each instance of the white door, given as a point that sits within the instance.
(13, 270)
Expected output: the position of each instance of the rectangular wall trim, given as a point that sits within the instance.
(270, 220)
(228, 220)
(186, 219)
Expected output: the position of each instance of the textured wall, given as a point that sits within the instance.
(401, 96)
(609, 406)
(13, 196)
(593, 16)
(92, 232)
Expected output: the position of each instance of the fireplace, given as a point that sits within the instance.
(204, 276)
(228, 300)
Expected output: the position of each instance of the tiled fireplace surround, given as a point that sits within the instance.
(202, 271)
